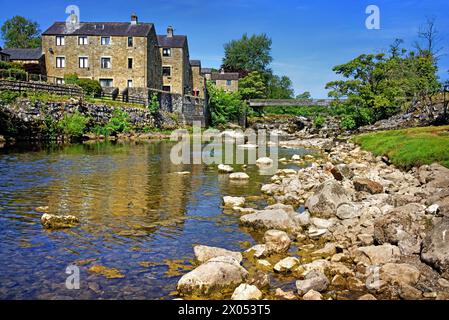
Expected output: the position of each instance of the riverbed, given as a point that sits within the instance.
(138, 214)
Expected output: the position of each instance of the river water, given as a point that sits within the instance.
(138, 215)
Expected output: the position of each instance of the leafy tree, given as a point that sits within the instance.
(304, 96)
(91, 87)
(280, 87)
(252, 86)
(248, 54)
(19, 32)
(224, 106)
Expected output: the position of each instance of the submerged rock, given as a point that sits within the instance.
(246, 292)
(276, 241)
(205, 253)
(219, 273)
(286, 265)
(109, 273)
(238, 176)
(51, 221)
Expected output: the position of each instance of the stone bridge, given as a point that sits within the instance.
(262, 103)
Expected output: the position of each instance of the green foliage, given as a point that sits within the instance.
(348, 122)
(319, 121)
(154, 104)
(280, 87)
(252, 86)
(304, 96)
(7, 96)
(119, 122)
(73, 125)
(100, 131)
(409, 147)
(224, 106)
(91, 87)
(19, 32)
(5, 65)
(248, 54)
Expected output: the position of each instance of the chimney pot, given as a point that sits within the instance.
(170, 31)
(134, 19)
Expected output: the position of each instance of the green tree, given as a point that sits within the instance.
(252, 86)
(19, 32)
(280, 87)
(248, 54)
(304, 96)
(224, 106)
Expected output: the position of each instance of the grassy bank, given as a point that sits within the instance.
(409, 147)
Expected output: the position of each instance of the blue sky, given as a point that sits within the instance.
(309, 37)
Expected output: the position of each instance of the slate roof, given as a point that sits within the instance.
(23, 54)
(195, 63)
(4, 53)
(225, 76)
(206, 70)
(171, 42)
(125, 29)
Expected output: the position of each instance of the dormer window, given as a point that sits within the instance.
(166, 52)
(105, 41)
(60, 40)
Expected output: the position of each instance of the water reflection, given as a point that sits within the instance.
(137, 215)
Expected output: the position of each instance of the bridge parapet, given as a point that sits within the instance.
(261, 103)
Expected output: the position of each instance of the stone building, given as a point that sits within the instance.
(199, 82)
(176, 72)
(116, 54)
(206, 73)
(229, 82)
(31, 59)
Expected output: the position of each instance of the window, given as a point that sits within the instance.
(228, 82)
(60, 62)
(60, 81)
(166, 52)
(130, 63)
(130, 41)
(166, 71)
(166, 88)
(130, 83)
(105, 41)
(82, 40)
(83, 62)
(60, 40)
(106, 63)
(106, 82)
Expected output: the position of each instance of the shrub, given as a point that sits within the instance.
(348, 122)
(154, 104)
(319, 121)
(8, 96)
(225, 106)
(90, 87)
(17, 74)
(100, 131)
(119, 122)
(73, 125)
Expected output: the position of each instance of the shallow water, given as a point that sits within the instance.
(137, 215)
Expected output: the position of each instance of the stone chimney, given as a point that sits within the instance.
(170, 31)
(134, 19)
(222, 71)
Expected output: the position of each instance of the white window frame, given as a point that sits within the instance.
(169, 52)
(85, 40)
(106, 37)
(106, 79)
(60, 81)
(60, 41)
(85, 64)
(62, 64)
(110, 63)
(171, 70)
(128, 82)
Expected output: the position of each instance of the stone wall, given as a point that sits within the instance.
(27, 120)
(223, 84)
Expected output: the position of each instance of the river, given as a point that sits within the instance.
(137, 215)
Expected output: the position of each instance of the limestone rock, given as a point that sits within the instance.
(205, 253)
(348, 211)
(399, 273)
(233, 201)
(265, 161)
(271, 218)
(260, 279)
(224, 168)
(377, 254)
(366, 185)
(238, 176)
(435, 251)
(312, 295)
(286, 265)
(285, 295)
(314, 280)
(51, 221)
(367, 296)
(220, 273)
(326, 199)
(246, 292)
(276, 241)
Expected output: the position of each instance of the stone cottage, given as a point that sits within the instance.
(228, 81)
(117, 54)
(32, 60)
(199, 82)
(176, 72)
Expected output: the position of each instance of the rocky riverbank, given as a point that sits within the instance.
(365, 230)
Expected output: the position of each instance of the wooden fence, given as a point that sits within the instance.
(59, 89)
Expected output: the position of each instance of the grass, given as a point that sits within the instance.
(407, 148)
